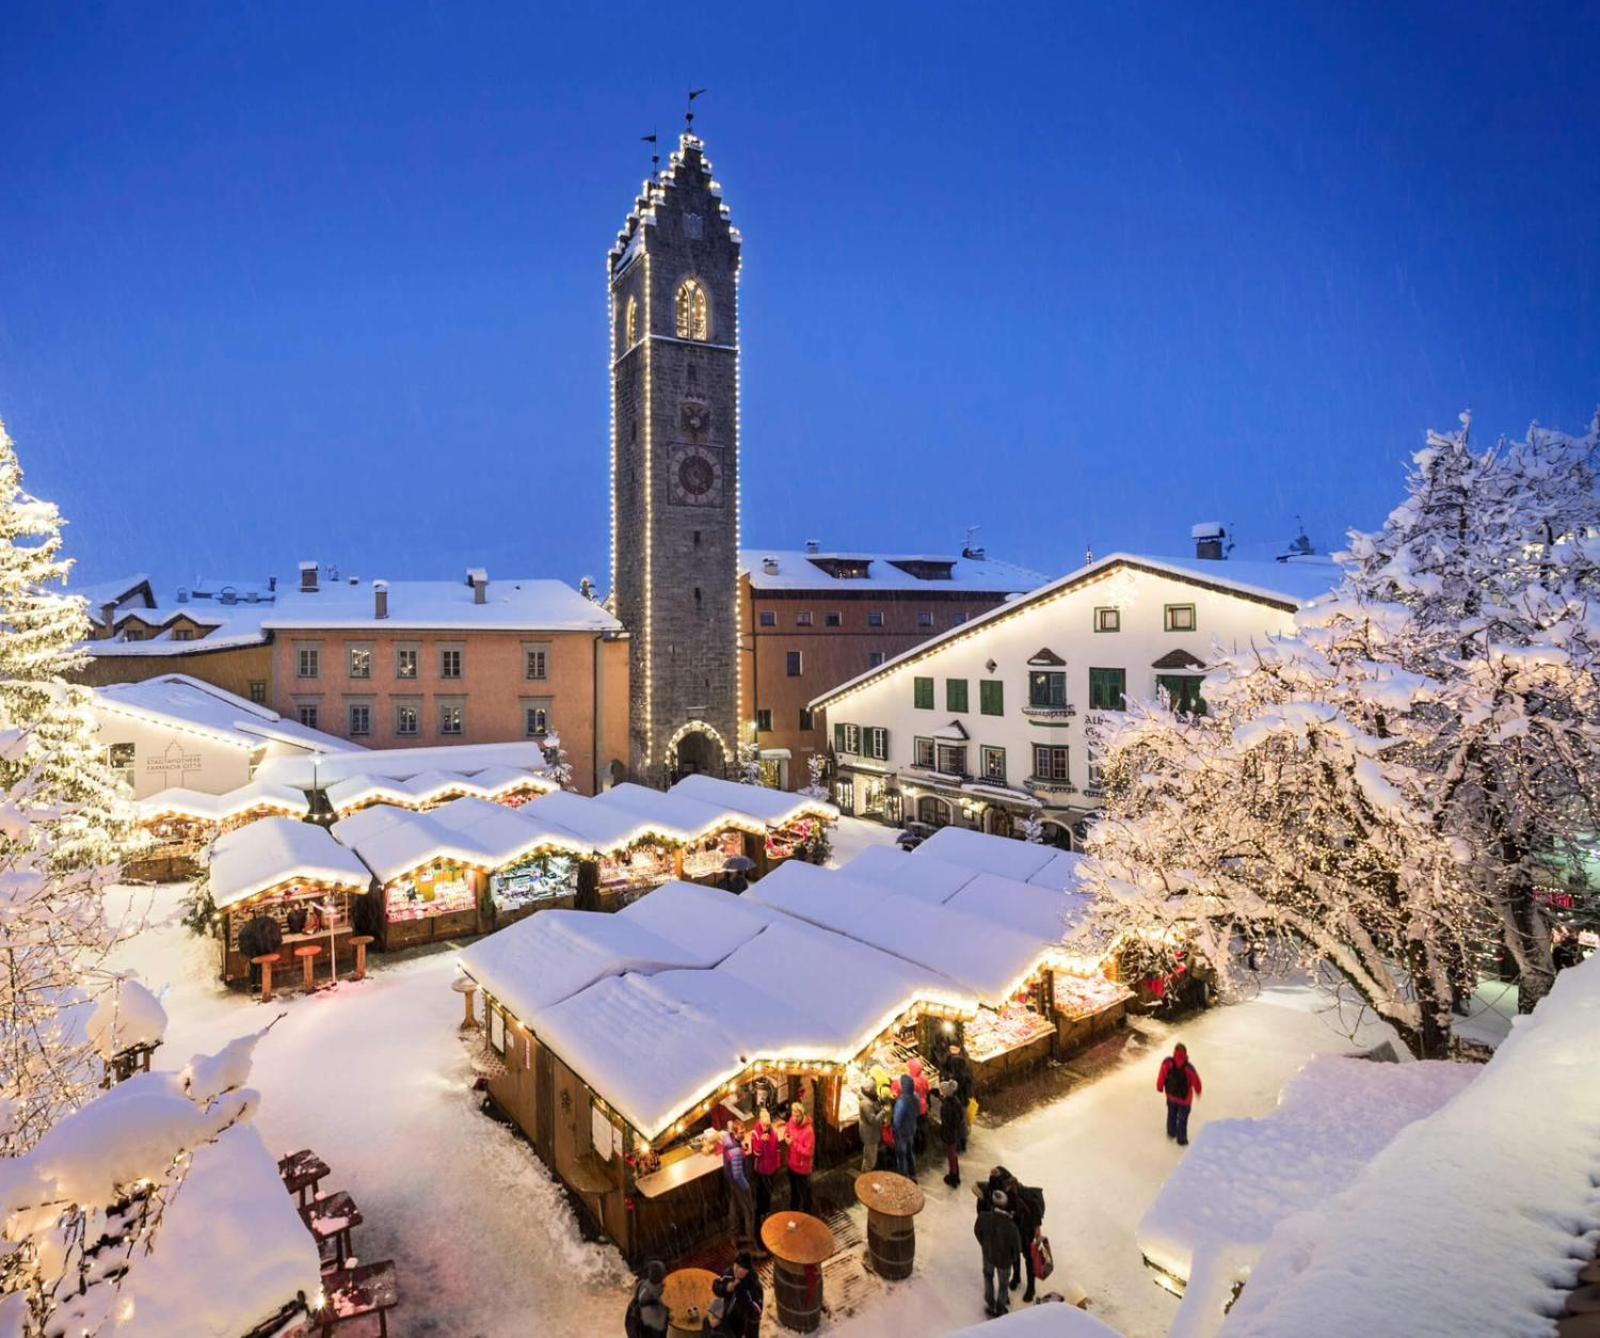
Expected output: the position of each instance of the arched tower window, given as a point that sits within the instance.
(630, 324)
(693, 311)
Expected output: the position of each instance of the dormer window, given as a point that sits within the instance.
(693, 311)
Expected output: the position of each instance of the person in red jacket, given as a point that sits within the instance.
(767, 1157)
(801, 1136)
(1179, 1082)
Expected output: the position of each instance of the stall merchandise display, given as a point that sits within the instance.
(444, 893)
(1079, 997)
(993, 1033)
(301, 912)
(644, 865)
(783, 843)
(712, 855)
(540, 879)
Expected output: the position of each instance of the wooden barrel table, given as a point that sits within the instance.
(798, 1243)
(687, 1296)
(892, 1204)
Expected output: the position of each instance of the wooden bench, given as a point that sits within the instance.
(332, 1219)
(354, 1293)
(302, 1172)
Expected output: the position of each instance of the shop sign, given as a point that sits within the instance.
(172, 762)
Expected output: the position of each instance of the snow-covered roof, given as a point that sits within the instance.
(1469, 1221)
(181, 702)
(776, 808)
(798, 569)
(1003, 855)
(892, 868)
(114, 591)
(1289, 585)
(692, 819)
(263, 855)
(987, 960)
(1242, 1177)
(1063, 873)
(232, 1250)
(178, 801)
(306, 773)
(518, 605)
(505, 835)
(1040, 912)
(406, 843)
(603, 828)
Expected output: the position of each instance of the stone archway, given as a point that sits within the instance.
(1057, 834)
(696, 749)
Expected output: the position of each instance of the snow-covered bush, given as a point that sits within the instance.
(558, 766)
(750, 764)
(816, 786)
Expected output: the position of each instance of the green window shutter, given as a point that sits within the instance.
(923, 694)
(838, 738)
(955, 694)
(991, 696)
(883, 745)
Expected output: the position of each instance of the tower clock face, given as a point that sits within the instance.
(696, 476)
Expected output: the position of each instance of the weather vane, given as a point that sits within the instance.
(688, 110)
(655, 158)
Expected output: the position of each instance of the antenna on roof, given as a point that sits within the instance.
(1088, 553)
(688, 110)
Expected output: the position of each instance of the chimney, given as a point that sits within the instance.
(813, 546)
(272, 584)
(770, 566)
(380, 599)
(1208, 537)
(183, 594)
(478, 579)
(108, 615)
(308, 577)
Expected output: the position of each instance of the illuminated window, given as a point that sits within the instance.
(631, 324)
(693, 311)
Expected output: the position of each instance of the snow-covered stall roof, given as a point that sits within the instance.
(693, 819)
(1039, 912)
(262, 855)
(495, 781)
(1469, 1221)
(347, 795)
(890, 867)
(776, 808)
(603, 828)
(178, 801)
(1002, 855)
(537, 962)
(988, 960)
(181, 702)
(504, 834)
(232, 1250)
(1242, 1177)
(1062, 874)
(306, 773)
(397, 842)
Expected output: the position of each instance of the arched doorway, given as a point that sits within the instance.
(997, 822)
(694, 754)
(1057, 834)
(932, 812)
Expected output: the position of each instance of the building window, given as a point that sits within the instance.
(631, 324)
(535, 721)
(258, 692)
(991, 696)
(1047, 687)
(360, 661)
(993, 761)
(1107, 689)
(449, 664)
(955, 694)
(922, 693)
(832, 620)
(405, 719)
(121, 758)
(307, 713)
(405, 664)
(953, 759)
(875, 618)
(693, 311)
(360, 718)
(1178, 617)
(806, 721)
(535, 663)
(306, 662)
(875, 743)
(874, 658)
(922, 753)
(452, 718)
(803, 619)
(925, 619)
(183, 634)
(1049, 762)
(932, 812)
(847, 739)
(791, 664)
(133, 634)
(763, 720)
(1097, 775)
(1183, 692)
(768, 618)
(1108, 620)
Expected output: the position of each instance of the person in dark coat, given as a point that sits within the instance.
(953, 1125)
(956, 1067)
(869, 1120)
(907, 1113)
(647, 1312)
(997, 1235)
(742, 1299)
(1027, 1203)
(1180, 1084)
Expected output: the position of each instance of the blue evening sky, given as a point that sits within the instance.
(283, 280)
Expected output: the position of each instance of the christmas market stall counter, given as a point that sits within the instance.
(533, 863)
(704, 837)
(293, 874)
(181, 823)
(793, 823)
(428, 880)
(625, 855)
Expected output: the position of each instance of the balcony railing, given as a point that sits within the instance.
(1050, 786)
(1048, 713)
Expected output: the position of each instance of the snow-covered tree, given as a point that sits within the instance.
(1488, 577)
(557, 764)
(1032, 828)
(816, 786)
(750, 764)
(64, 820)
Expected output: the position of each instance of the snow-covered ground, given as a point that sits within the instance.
(373, 1077)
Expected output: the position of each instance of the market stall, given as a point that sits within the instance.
(511, 787)
(428, 880)
(181, 823)
(792, 823)
(706, 837)
(533, 863)
(292, 873)
(628, 855)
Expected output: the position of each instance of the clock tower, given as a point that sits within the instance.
(673, 277)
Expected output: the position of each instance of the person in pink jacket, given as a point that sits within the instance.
(767, 1157)
(919, 1084)
(801, 1136)
(1179, 1082)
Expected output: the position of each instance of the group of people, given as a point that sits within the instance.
(1009, 1230)
(752, 1160)
(895, 1114)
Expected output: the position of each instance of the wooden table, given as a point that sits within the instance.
(308, 954)
(302, 1171)
(466, 987)
(332, 1218)
(359, 943)
(892, 1203)
(266, 962)
(689, 1289)
(798, 1243)
(350, 1293)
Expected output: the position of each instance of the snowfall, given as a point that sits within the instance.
(374, 1077)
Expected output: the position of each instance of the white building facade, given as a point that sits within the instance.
(991, 722)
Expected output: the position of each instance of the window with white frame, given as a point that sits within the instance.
(993, 762)
(535, 663)
(450, 662)
(922, 754)
(452, 718)
(407, 718)
(405, 662)
(1050, 762)
(308, 662)
(875, 743)
(360, 661)
(360, 718)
